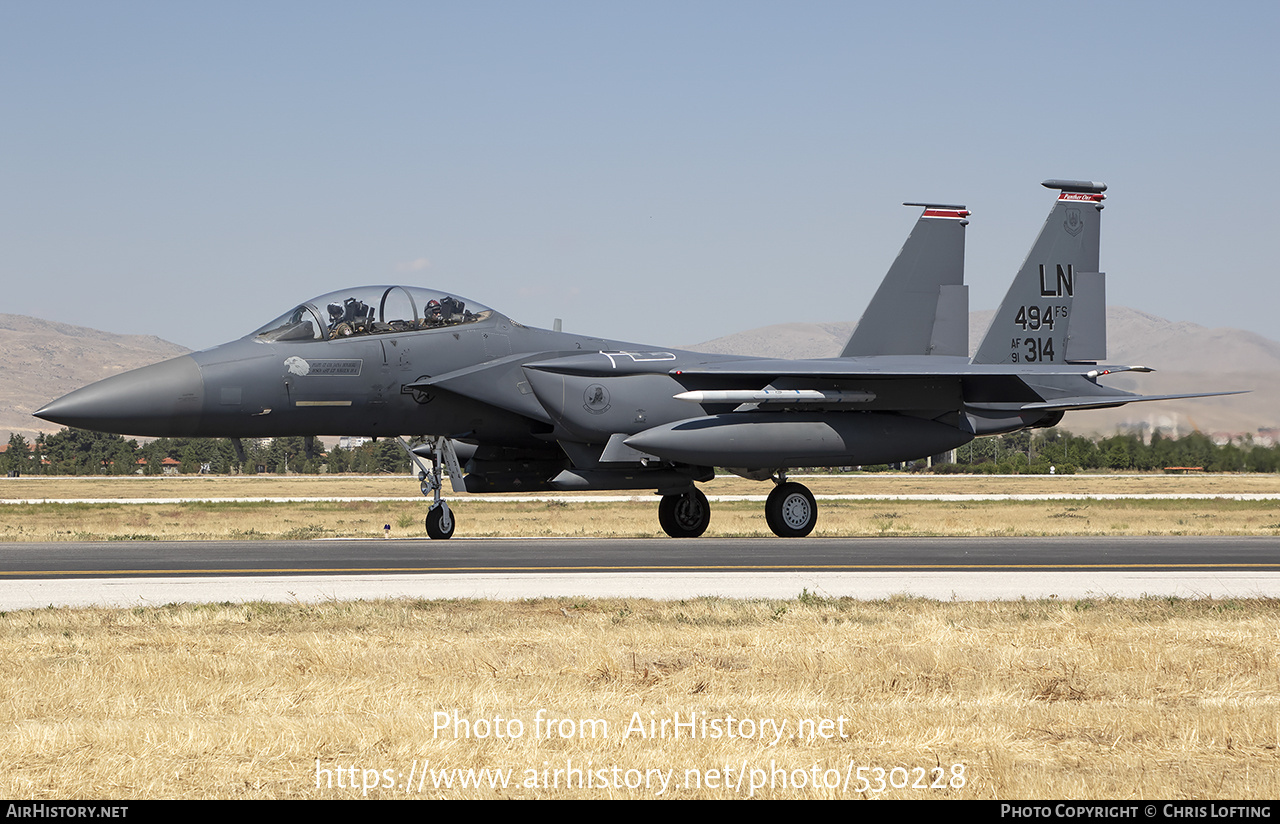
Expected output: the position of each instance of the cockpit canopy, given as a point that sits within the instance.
(371, 310)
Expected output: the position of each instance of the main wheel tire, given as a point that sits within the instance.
(791, 511)
(440, 523)
(686, 515)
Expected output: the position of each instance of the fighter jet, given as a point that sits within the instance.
(505, 407)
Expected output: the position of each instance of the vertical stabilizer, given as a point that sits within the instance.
(1055, 311)
(922, 305)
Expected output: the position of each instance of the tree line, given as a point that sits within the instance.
(80, 452)
(1064, 453)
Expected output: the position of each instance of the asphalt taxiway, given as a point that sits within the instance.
(36, 575)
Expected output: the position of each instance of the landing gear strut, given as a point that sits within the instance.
(440, 523)
(685, 515)
(790, 509)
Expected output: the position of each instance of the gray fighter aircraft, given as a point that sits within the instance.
(529, 409)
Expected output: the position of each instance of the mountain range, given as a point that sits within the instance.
(41, 360)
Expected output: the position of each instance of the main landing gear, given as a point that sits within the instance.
(685, 515)
(440, 522)
(790, 511)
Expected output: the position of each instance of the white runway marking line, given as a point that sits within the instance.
(941, 586)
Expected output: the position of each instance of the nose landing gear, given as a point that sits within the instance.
(440, 522)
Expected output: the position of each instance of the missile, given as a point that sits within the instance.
(787, 396)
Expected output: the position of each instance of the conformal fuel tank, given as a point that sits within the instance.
(778, 439)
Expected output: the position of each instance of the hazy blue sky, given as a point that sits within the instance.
(653, 171)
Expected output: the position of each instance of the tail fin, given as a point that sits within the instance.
(1055, 311)
(922, 305)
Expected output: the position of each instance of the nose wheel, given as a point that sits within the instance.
(790, 510)
(440, 522)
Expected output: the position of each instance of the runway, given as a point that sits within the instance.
(36, 575)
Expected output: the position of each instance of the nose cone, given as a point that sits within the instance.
(161, 400)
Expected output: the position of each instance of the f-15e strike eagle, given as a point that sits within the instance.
(525, 409)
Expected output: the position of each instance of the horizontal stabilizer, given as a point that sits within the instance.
(1118, 400)
(1091, 402)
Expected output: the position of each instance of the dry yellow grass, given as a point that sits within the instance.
(399, 486)
(1083, 700)
(636, 516)
(629, 519)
